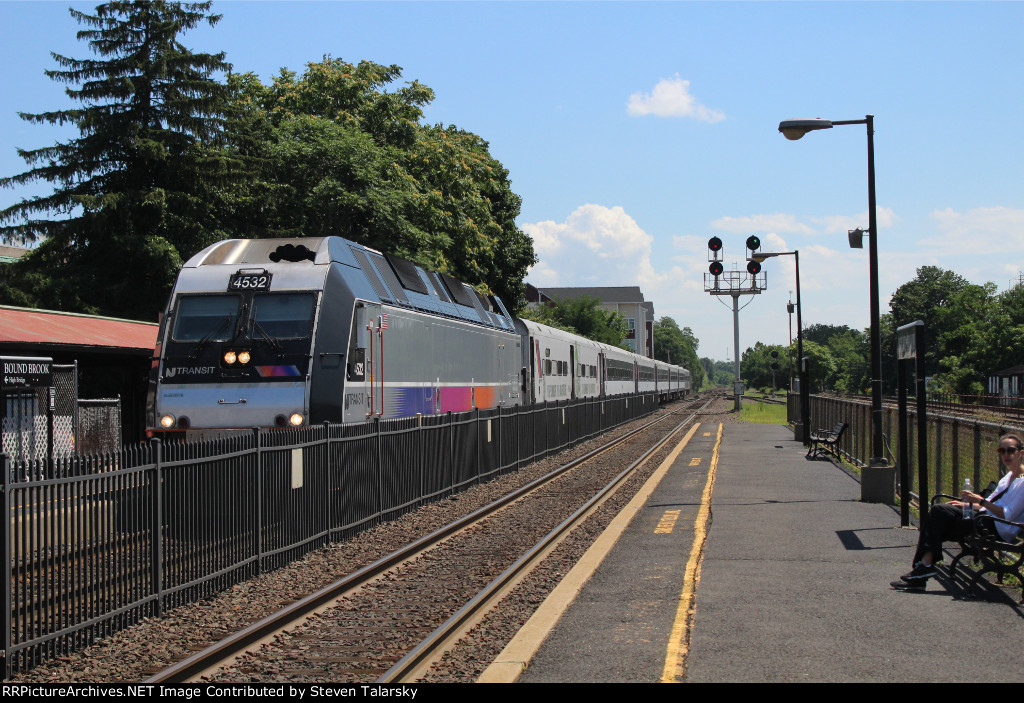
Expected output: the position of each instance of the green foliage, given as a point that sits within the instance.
(336, 154)
(717, 373)
(170, 161)
(132, 194)
(756, 366)
(582, 316)
(678, 346)
(970, 331)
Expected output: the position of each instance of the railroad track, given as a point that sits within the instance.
(390, 620)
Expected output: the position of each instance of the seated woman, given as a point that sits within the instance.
(945, 522)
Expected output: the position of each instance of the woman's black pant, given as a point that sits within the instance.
(946, 523)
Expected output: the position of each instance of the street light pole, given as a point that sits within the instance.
(802, 430)
(795, 129)
(877, 446)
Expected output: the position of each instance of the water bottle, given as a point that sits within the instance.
(968, 507)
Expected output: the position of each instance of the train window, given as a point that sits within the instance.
(286, 316)
(206, 317)
(547, 367)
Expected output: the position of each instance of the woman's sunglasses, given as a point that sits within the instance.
(1008, 450)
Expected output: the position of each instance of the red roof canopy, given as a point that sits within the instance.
(46, 327)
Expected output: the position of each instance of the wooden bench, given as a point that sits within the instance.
(823, 440)
(993, 553)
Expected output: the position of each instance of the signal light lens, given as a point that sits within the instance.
(167, 421)
(296, 419)
(753, 267)
(753, 243)
(715, 244)
(230, 358)
(716, 268)
(244, 357)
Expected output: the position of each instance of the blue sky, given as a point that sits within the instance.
(634, 131)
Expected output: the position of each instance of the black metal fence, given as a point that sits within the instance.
(958, 448)
(94, 543)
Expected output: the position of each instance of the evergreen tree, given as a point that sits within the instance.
(136, 192)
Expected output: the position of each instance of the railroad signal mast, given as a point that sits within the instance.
(718, 281)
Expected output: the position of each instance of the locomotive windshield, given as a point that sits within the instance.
(206, 317)
(282, 316)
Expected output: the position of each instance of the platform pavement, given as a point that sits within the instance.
(793, 587)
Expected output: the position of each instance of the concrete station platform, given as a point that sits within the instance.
(792, 585)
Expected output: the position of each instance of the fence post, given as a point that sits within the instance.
(977, 457)
(379, 451)
(956, 456)
(451, 453)
(5, 535)
(516, 420)
(938, 457)
(258, 537)
(156, 531)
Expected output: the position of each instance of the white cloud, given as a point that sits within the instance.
(778, 222)
(841, 224)
(596, 245)
(997, 230)
(671, 98)
(790, 224)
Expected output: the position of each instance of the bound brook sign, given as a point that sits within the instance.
(23, 373)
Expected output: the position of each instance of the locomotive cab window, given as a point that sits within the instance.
(206, 317)
(284, 316)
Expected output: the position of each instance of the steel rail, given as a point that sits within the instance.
(430, 648)
(231, 645)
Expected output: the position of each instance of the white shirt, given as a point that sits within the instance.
(1012, 503)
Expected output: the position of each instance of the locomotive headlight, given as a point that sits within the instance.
(230, 358)
(296, 419)
(167, 421)
(244, 357)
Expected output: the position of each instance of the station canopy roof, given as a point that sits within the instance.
(48, 329)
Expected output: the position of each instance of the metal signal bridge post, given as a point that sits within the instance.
(718, 281)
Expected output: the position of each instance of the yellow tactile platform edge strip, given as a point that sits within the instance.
(679, 639)
(517, 654)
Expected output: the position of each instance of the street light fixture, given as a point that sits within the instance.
(795, 129)
(802, 430)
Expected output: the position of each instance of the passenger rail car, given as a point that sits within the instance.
(292, 332)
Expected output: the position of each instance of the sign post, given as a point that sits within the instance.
(909, 347)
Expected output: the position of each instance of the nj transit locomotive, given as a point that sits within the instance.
(292, 332)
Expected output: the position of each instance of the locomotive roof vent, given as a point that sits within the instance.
(293, 253)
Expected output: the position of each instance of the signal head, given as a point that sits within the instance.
(715, 244)
(753, 267)
(716, 268)
(753, 243)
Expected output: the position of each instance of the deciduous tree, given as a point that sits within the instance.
(338, 151)
(582, 316)
(678, 346)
